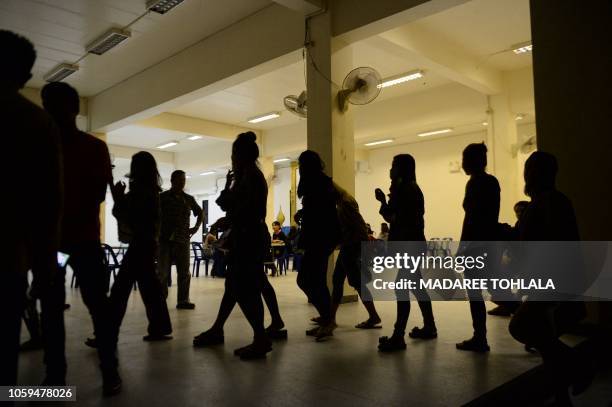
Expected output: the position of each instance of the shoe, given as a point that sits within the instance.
(111, 383)
(156, 338)
(423, 333)
(369, 324)
(185, 305)
(208, 338)
(316, 320)
(91, 342)
(474, 345)
(500, 311)
(312, 331)
(30, 345)
(392, 344)
(326, 331)
(276, 332)
(256, 350)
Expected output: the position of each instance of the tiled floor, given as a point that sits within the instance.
(346, 370)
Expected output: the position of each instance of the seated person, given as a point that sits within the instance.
(277, 234)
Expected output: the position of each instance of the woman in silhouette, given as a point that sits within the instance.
(244, 201)
(404, 211)
(480, 224)
(318, 195)
(138, 216)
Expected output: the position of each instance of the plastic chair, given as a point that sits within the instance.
(198, 257)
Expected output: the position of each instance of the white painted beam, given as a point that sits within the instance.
(428, 51)
(256, 45)
(117, 151)
(192, 125)
(304, 7)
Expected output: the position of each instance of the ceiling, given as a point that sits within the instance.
(151, 137)
(61, 29)
(481, 28)
(265, 93)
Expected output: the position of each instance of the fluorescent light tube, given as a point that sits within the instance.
(410, 76)
(522, 48)
(264, 117)
(208, 173)
(109, 40)
(162, 6)
(434, 132)
(193, 138)
(60, 72)
(168, 144)
(375, 143)
(281, 160)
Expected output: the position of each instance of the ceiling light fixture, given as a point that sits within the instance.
(485, 123)
(60, 72)
(193, 138)
(109, 40)
(519, 116)
(162, 6)
(410, 76)
(376, 143)
(166, 145)
(434, 132)
(208, 173)
(281, 160)
(264, 117)
(522, 48)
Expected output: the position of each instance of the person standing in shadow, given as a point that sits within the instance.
(138, 218)
(175, 235)
(87, 172)
(31, 227)
(348, 265)
(404, 211)
(318, 195)
(539, 323)
(244, 200)
(480, 224)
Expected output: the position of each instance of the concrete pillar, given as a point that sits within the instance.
(102, 136)
(502, 141)
(293, 193)
(329, 130)
(267, 167)
(572, 61)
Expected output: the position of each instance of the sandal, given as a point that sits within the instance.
(316, 320)
(392, 344)
(325, 331)
(208, 338)
(313, 331)
(423, 333)
(369, 324)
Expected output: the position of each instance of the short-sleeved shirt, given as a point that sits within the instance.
(87, 172)
(176, 209)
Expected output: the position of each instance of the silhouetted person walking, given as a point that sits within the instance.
(550, 217)
(404, 211)
(174, 240)
(87, 172)
(215, 336)
(319, 236)
(348, 265)
(31, 226)
(480, 224)
(138, 218)
(244, 201)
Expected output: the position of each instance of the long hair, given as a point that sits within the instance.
(311, 167)
(540, 173)
(245, 153)
(144, 175)
(405, 170)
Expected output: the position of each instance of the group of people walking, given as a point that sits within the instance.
(72, 170)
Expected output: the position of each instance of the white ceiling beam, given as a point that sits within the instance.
(429, 52)
(233, 55)
(302, 6)
(127, 152)
(192, 125)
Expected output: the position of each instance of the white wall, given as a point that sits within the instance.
(442, 189)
